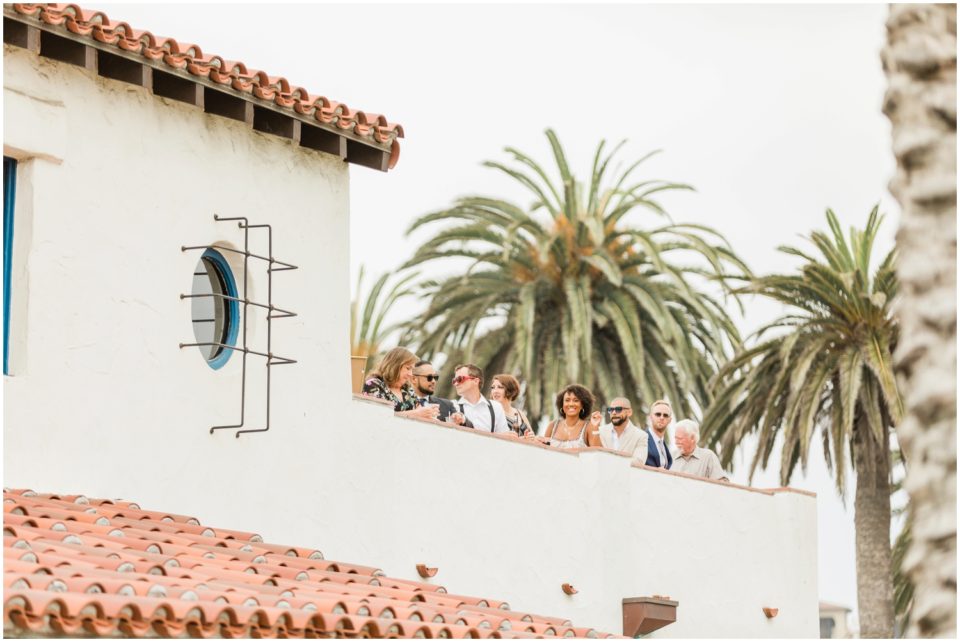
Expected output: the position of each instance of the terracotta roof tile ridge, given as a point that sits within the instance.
(68, 575)
(107, 615)
(191, 59)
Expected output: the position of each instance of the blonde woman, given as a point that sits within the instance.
(392, 381)
(505, 389)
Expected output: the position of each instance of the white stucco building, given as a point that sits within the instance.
(120, 162)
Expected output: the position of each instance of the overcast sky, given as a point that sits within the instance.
(771, 112)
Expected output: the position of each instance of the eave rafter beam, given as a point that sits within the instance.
(58, 43)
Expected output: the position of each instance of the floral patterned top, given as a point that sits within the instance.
(376, 387)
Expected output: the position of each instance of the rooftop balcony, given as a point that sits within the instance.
(500, 515)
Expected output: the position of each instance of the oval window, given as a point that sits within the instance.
(215, 318)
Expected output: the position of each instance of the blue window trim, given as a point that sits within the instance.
(232, 307)
(9, 198)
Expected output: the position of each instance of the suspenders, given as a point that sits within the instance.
(493, 417)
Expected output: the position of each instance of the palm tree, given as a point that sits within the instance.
(567, 290)
(828, 365)
(903, 586)
(920, 60)
(368, 329)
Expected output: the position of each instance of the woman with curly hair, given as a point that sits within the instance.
(392, 380)
(577, 427)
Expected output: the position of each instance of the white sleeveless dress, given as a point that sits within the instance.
(579, 442)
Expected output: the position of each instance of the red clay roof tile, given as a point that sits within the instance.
(158, 575)
(97, 26)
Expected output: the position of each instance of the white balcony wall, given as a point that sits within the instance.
(102, 401)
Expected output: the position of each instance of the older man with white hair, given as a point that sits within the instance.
(692, 459)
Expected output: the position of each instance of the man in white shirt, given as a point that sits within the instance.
(620, 434)
(481, 412)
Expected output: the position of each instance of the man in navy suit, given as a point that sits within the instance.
(658, 454)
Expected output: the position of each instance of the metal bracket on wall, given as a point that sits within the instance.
(274, 265)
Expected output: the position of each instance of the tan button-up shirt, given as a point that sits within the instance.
(633, 441)
(701, 462)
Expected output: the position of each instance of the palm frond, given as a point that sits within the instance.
(367, 321)
(827, 361)
(573, 281)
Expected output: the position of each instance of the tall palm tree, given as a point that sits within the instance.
(903, 586)
(368, 313)
(828, 364)
(572, 289)
(920, 60)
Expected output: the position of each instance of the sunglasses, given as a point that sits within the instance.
(458, 380)
(617, 409)
(428, 377)
(662, 414)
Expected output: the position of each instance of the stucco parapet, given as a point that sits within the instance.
(600, 449)
(763, 491)
(787, 489)
(510, 437)
(576, 452)
(371, 400)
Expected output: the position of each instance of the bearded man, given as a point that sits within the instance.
(620, 434)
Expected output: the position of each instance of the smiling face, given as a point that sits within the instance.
(498, 391)
(465, 383)
(571, 405)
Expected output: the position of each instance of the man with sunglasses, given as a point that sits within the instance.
(481, 412)
(658, 453)
(425, 379)
(620, 434)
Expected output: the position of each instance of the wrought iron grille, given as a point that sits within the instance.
(273, 265)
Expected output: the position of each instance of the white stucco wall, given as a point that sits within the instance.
(103, 402)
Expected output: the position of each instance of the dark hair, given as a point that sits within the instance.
(422, 362)
(511, 387)
(474, 371)
(580, 392)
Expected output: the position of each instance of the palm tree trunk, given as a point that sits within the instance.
(920, 60)
(872, 522)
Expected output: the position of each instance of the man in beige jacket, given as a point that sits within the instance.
(620, 434)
